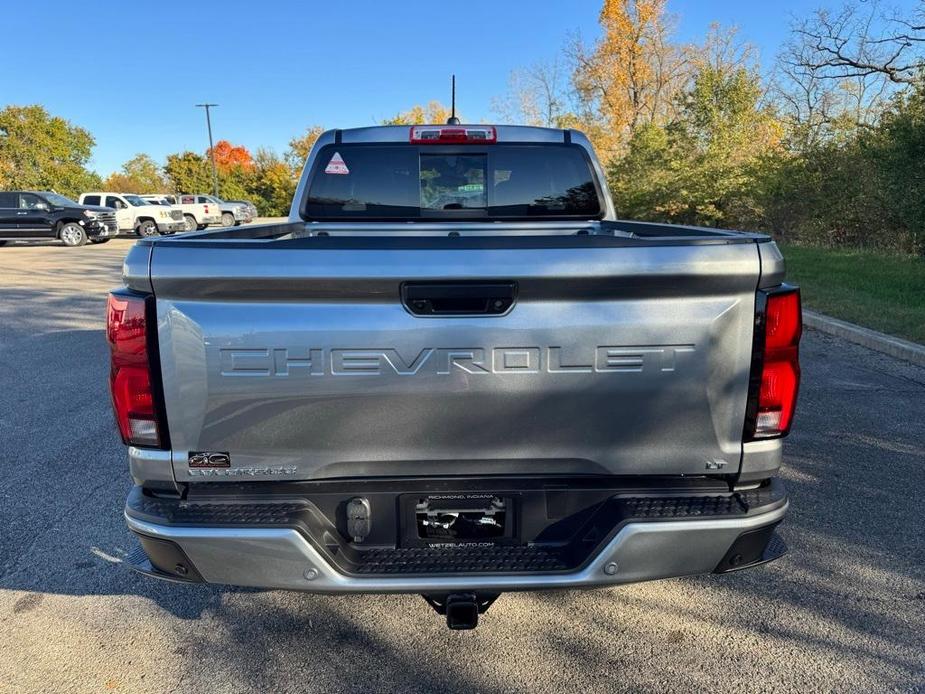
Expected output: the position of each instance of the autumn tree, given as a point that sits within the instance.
(828, 152)
(188, 172)
(433, 113)
(274, 183)
(631, 75)
(44, 152)
(140, 174)
(300, 146)
(229, 156)
(701, 167)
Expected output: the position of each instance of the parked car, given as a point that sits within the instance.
(135, 214)
(251, 208)
(198, 211)
(33, 214)
(454, 372)
(233, 213)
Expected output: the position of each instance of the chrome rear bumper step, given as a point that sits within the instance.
(659, 545)
(462, 559)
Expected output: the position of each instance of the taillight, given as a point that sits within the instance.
(775, 378)
(453, 134)
(130, 378)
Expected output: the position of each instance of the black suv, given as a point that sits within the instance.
(31, 215)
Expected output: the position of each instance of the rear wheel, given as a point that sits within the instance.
(227, 219)
(72, 234)
(190, 222)
(147, 228)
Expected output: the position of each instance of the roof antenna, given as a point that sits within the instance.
(453, 120)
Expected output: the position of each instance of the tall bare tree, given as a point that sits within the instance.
(863, 39)
(537, 95)
(839, 69)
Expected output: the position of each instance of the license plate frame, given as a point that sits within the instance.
(462, 512)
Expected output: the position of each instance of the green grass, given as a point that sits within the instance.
(879, 291)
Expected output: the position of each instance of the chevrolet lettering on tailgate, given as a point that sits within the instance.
(282, 361)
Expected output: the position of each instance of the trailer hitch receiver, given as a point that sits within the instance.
(462, 610)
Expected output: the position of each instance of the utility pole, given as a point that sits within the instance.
(211, 147)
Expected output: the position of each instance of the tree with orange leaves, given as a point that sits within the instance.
(229, 156)
(632, 75)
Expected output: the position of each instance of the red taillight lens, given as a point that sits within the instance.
(130, 374)
(775, 396)
(784, 322)
(443, 134)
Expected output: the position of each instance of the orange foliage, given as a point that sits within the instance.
(229, 156)
(631, 76)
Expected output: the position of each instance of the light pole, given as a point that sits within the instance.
(211, 146)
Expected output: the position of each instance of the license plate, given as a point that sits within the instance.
(463, 518)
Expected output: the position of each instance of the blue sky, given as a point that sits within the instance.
(277, 67)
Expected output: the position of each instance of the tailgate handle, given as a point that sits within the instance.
(458, 298)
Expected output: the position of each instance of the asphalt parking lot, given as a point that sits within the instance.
(844, 611)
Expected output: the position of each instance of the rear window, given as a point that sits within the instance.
(91, 200)
(502, 181)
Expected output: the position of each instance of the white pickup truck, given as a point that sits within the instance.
(135, 214)
(454, 372)
(198, 211)
(233, 213)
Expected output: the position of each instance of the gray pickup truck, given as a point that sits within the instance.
(453, 372)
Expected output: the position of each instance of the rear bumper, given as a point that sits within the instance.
(222, 546)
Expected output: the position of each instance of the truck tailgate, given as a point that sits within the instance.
(298, 359)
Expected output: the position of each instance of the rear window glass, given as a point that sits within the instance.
(451, 182)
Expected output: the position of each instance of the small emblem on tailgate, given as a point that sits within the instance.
(209, 459)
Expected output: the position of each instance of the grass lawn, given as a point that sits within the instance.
(879, 291)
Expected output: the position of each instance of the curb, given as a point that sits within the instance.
(894, 346)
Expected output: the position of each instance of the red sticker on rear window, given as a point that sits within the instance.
(337, 165)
